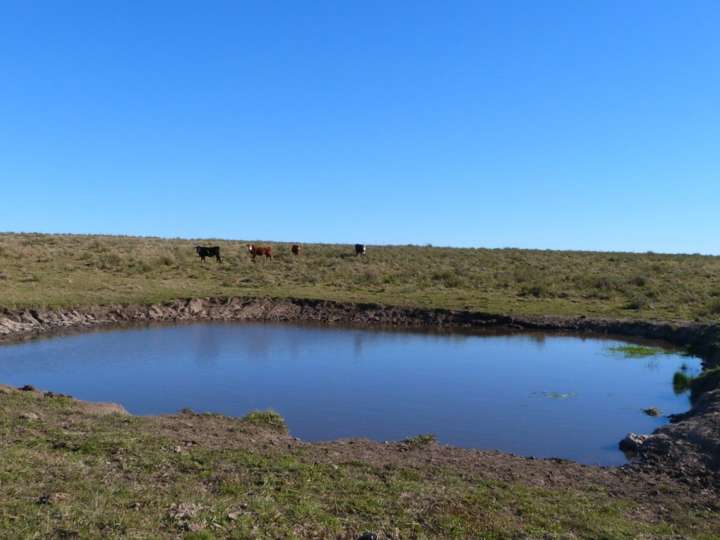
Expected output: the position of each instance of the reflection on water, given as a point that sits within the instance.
(536, 394)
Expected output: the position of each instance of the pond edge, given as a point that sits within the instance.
(688, 447)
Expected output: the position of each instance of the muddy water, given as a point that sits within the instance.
(545, 396)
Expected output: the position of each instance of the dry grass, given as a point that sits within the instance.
(61, 270)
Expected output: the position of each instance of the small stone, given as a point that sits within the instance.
(184, 511)
(29, 416)
(232, 516)
(632, 442)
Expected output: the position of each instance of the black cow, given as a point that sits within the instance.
(360, 249)
(208, 251)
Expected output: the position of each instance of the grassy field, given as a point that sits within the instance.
(62, 270)
(66, 472)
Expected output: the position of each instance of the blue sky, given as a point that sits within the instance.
(544, 124)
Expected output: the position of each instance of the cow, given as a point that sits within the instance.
(208, 251)
(295, 248)
(360, 249)
(259, 251)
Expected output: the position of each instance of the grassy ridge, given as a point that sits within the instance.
(62, 270)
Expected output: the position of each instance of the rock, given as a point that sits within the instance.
(632, 442)
(29, 416)
(368, 536)
(56, 395)
(28, 388)
(652, 411)
(196, 306)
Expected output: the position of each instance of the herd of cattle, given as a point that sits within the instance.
(259, 251)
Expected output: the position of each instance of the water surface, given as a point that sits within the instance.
(552, 396)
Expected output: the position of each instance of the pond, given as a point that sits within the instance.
(534, 395)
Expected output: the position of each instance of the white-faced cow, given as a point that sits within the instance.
(208, 251)
(259, 251)
(360, 249)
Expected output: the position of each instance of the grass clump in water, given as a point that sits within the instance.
(268, 418)
(636, 351)
(681, 382)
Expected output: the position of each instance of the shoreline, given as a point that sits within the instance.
(686, 448)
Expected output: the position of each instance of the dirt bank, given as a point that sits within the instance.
(688, 448)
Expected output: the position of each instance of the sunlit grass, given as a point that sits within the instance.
(75, 270)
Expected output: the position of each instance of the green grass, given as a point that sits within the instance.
(267, 418)
(681, 382)
(636, 351)
(67, 474)
(71, 475)
(63, 270)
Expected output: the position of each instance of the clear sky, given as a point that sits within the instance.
(546, 124)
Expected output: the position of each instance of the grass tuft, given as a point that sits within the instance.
(268, 418)
(681, 382)
(421, 440)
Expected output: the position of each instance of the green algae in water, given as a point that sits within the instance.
(636, 351)
(555, 395)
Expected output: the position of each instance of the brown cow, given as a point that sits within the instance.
(259, 251)
(295, 249)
